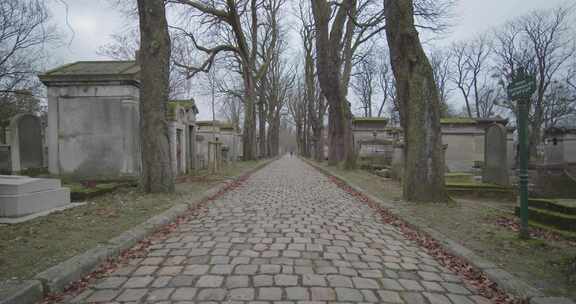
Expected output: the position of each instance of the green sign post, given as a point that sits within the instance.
(521, 89)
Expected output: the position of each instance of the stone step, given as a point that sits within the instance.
(555, 220)
(14, 184)
(552, 205)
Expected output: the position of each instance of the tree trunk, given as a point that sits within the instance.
(419, 102)
(328, 64)
(157, 175)
(274, 136)
(249, 130)
(318, 143)
(535, 137)
(262, 129)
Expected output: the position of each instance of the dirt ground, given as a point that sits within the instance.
(31, 247)
(473, 223)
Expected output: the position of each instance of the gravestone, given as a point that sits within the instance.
(26, 142)
(495, 156)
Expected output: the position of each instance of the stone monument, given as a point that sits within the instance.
(495, 156)
(22, 195)
(26, 142)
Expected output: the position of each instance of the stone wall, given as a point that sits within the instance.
(93, 130)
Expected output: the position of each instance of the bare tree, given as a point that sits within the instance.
(280, 80)
(297, 109)
(341, 28)
(470, 65)
(25, 32)
(237, 27)
(542, 43)
(157, 174)
(316, 104)
(440, 61)
(364, 83)
(333, 67)
(387, 85)
(124, 47)
(419, 105)
(560, 104)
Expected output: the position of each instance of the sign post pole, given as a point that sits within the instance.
(520, 90)
(523, 173)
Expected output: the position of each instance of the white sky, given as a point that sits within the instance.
(93, 21)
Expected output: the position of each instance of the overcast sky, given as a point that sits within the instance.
(93, 21)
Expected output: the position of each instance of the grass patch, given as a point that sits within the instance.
(475, 185)
(472, 223)
(31, 247)
(459, 178)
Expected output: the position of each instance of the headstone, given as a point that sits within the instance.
(495, 156)
(26, 142)
(22, 195)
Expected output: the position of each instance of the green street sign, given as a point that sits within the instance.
(522, 88)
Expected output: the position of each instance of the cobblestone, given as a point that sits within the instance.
(287, 235)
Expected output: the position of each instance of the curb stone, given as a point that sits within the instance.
(504, 279)
(56, 278)
(22, 292)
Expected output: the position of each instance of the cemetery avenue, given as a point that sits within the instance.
(287, 151)
(286, 235)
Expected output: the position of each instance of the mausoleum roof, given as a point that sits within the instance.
(370, 119)
(115, 67)
(222, 125)
(473, 121)
(208, 123)
(183, 103)
(93, 71)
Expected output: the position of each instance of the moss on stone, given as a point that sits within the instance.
(172, 105)
(458, 120)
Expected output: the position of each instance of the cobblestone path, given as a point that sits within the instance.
(287, 235)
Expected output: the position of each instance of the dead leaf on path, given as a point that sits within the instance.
(539, 233)
(141, 249)
(459, 266)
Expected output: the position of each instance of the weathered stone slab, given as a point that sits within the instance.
(21, 195)
(495, 154)
(14, 184)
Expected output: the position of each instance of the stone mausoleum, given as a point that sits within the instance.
(181, 118)
(94, 118)
(466, 142)
(560, 146)
(228, 137)
(464, 138)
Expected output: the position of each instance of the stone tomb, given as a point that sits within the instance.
(22, 195)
